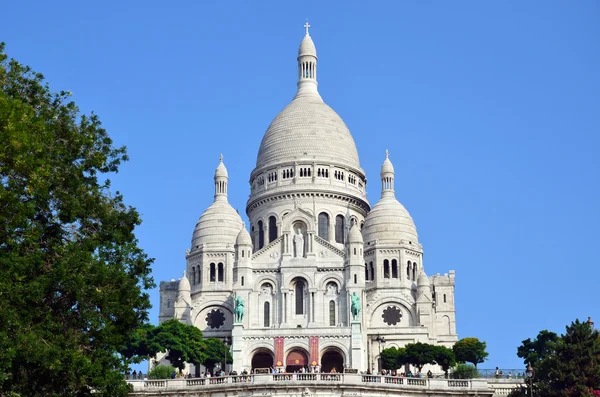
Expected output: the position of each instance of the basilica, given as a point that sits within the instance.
(320, 279)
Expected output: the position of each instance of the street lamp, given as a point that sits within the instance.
(226, 343)
(380, 340)
(530, 373)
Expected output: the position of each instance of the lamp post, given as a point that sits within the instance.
(380, 340)
(226, 343)
(530, 373)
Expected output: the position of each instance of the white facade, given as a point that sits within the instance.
(313, 242)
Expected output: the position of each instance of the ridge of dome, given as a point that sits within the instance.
(243, 237)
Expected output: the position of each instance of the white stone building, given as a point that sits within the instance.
(314, 241)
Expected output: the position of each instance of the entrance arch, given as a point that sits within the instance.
(262, 359)
(296, 359)
(331, 359)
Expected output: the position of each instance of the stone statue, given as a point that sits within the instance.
(239, 309)
(299, 243)
(355, 306)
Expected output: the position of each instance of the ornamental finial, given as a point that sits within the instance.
(221, 158)
(387, 154)
(306, 26)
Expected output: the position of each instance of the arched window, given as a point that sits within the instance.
(339, 229)
(414, 271)
(444, 298)
(324, 226)
(355, 279)
(394, 268)
(242, 281)
(261, 235)
(212, 273)
(168, 303)
(220, 272)
(299, 297)
(386, 269)
(408, 270)
(366, 272)
(272, 228)
(332, 313)
(372, 271)
(193, 269)
(267, 315)
(354, 251)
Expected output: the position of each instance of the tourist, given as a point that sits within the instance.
(497, 373)
(134, 374)
(429, 374)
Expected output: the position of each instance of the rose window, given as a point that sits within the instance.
(391, 315)
(215, 319)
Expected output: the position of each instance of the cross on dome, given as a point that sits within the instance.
(221, 157)
(387, 154)
(306, 26)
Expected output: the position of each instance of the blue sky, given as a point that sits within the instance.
(490, 111)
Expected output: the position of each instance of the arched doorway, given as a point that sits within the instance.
(296, 359)
(332, 359)
(262, 359)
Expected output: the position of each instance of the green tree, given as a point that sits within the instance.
(470, 350)
(534, 351)
(444, 357)
(161, 372)
(74, 280)
(572, 366)
(419, 354)
(464, 371)
(393, 358)
(183, 343)
(216, 351)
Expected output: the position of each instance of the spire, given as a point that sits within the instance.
(307, 66)
(387, 176)
(221, 178)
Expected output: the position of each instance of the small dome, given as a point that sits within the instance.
(184, 284)
(218, 225)
(389, 222)
(221, 171)
(355, 236)
(307, 47)
(243, 237)
(423, 280)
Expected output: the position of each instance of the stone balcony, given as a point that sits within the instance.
(311, 384)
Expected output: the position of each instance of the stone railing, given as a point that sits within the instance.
(478, 386)
(328, 245)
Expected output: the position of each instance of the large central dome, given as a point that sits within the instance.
(308, 129)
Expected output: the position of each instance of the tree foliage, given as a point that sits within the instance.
(419, 354)
(161, 372)
(566, 366)
(464, 371)
(470, 350)
(73, 277)
(534, 351)
(393, 358)
(183, 343)
(216, 351)
(444, 357)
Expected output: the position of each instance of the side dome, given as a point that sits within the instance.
(220, 224)
(389, 221)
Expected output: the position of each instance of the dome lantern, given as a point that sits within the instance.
(221, 178)
(307, 66)
(387, 176)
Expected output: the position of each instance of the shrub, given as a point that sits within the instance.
(464, 371)
(161, 372)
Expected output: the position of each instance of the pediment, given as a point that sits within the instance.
(271, 253)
